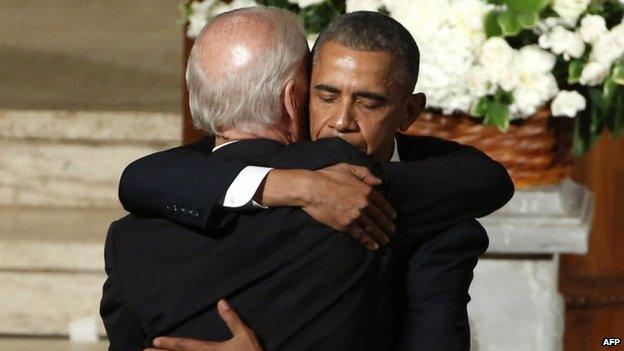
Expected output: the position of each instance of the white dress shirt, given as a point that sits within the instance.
(241, 192)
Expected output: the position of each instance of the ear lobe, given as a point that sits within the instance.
(290, 100)
(415, 106)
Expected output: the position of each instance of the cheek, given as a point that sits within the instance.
(318, 119)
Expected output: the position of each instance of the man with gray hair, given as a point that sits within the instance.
(361, 108)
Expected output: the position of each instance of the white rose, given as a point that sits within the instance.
(609, 47)
(305, 3)
(594, 73)
(480, 82)
(363, 5)
(497, 52)
(567, 103)
(533, 59)
(467, 15)
(570, 9)
(592, 28)
(532, 92)
(563, 42)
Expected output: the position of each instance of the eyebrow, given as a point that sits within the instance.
(364, 94)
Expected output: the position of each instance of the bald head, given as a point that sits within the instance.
(238, 66)
(234, 42)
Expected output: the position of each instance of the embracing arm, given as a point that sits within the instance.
(456, 182)
(179, 184)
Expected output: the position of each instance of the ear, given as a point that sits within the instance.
(415, 106)
(293, 106)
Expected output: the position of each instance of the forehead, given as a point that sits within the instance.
(337, 64)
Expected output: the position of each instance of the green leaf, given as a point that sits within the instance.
(527, 19)
(597, 114)
(618, 73)
(185, 11)
(580, 139)
(508, 23)
(574, 70)
(497, 115)
(479, 108)
(525, 6)
(383, 10)
(496, 2)
(492, 28)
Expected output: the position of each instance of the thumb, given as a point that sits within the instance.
(365, 175)
(231, 318)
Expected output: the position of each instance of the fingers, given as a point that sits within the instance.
(374, 232)
(381, 219)
(231, 318)
(182, 344)
(380, 202)
(364, 174)
(358, 233)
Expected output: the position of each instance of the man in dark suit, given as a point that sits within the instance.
(443, 248)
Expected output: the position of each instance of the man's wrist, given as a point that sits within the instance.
(287, 187)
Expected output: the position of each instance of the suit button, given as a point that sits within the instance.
(174, 207)
(168, 207)
(195, 214)
(182, 209)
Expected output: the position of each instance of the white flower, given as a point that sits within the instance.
(609, 47)
(570, 9)
(222, 7)
(533, 59)
(533, 91)
(562, 41)
(496, 58)
(467, 15)
(533, 82)
(198, 17)
(449, 34)
(305, 3)
(594, 73)
(592, 28)
(363, 5)
(202, 12)
(567, 103)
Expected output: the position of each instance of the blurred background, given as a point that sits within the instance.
(88, 86)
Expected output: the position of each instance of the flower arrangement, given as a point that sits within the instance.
(497, 60)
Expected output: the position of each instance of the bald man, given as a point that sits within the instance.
(328, 293)
(297, 283)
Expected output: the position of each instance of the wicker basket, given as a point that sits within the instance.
(535, 151)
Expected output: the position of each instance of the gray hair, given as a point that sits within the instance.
(250, 100)
(373, 31)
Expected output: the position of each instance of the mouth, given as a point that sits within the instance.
(352, 139)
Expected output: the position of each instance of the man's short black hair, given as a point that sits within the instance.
(373, 31)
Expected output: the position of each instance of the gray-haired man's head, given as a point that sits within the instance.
(239, 66)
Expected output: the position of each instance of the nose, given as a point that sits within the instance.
(344, 121)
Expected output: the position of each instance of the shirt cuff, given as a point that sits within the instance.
(244, 187)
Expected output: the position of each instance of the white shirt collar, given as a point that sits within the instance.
(222, 145)
(395, 153)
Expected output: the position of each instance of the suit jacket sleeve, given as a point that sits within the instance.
(440, 183)
(179, 184)
(123, 330)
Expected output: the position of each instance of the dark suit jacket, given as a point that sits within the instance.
(147, 256)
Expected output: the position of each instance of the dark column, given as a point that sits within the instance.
(593, 284)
